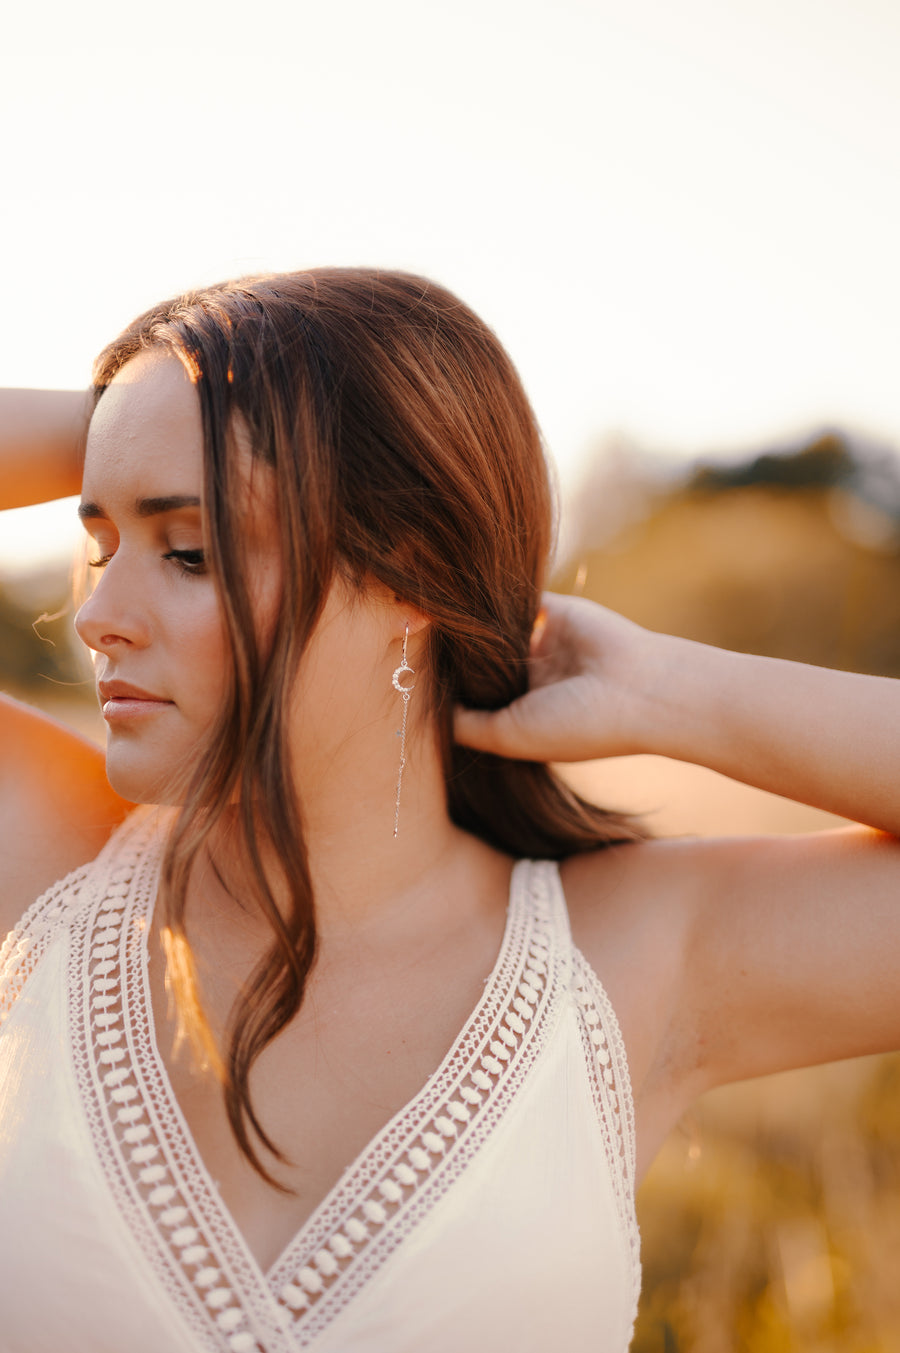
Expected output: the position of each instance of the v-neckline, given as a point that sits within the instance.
(157, 1170)
(362, 1165)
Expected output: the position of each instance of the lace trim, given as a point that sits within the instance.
(132, 1129)
(53, 911)
(23, 947)
(607, 1064)
(157, 1176)
(415, 1160)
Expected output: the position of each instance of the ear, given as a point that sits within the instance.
(396, 611)
(411, 619)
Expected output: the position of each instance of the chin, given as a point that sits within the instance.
(138, 782)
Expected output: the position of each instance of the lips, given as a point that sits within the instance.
(126, 705)
(123, 690)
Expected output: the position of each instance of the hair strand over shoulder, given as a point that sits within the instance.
(404, 450)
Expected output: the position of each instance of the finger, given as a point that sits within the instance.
(490, 731)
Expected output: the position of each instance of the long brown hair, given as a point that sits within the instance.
(404, 450)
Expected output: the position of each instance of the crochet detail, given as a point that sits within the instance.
(152, 1167)
(604, 1051)
(161, 1184)
(137, 1127)
(416, 1158)
(22, 948)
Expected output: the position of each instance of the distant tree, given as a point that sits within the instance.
(827, 461)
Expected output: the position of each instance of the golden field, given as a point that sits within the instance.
(771, 1218)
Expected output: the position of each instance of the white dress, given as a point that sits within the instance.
(494, 1211)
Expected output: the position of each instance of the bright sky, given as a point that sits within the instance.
(682, 219)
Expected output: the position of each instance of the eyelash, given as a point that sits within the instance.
(191, 562)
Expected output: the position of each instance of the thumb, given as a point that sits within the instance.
(496, 731)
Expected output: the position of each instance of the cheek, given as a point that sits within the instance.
(341, 688)
(204, 662)
(191, 661)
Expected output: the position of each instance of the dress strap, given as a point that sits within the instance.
(546, 888)
(603, 1047)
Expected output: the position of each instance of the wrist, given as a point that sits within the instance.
(677, 698)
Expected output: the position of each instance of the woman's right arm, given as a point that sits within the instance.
(41, 444)
(56, 805)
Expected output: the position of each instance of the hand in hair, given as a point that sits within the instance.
(587, 672)
(602, 686)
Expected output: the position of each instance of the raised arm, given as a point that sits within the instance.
(56, 806)
(739, 957)
(41, 444)
(602, 686)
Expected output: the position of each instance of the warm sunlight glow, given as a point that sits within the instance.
(681, 219)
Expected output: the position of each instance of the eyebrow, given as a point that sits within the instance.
(144, 507)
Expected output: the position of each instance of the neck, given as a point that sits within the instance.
(360, 870)
(366, 880)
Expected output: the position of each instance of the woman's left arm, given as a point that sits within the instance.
(781, 951)
(829, 739)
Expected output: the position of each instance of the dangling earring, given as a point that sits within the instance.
(405, 692)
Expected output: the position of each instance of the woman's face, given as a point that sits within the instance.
(153, 618)
(154, 621)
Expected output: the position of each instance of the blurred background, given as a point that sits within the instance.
(682, 222)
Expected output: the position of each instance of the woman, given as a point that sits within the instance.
(305, 1058)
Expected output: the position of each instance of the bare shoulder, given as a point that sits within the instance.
(633, 911)
(56, 806)
(619, 894)
(796, 938)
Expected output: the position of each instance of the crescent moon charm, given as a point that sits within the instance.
(397, 684)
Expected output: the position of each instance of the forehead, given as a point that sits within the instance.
(145, 441)
(148, 420)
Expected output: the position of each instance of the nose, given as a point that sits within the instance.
(113, 617)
